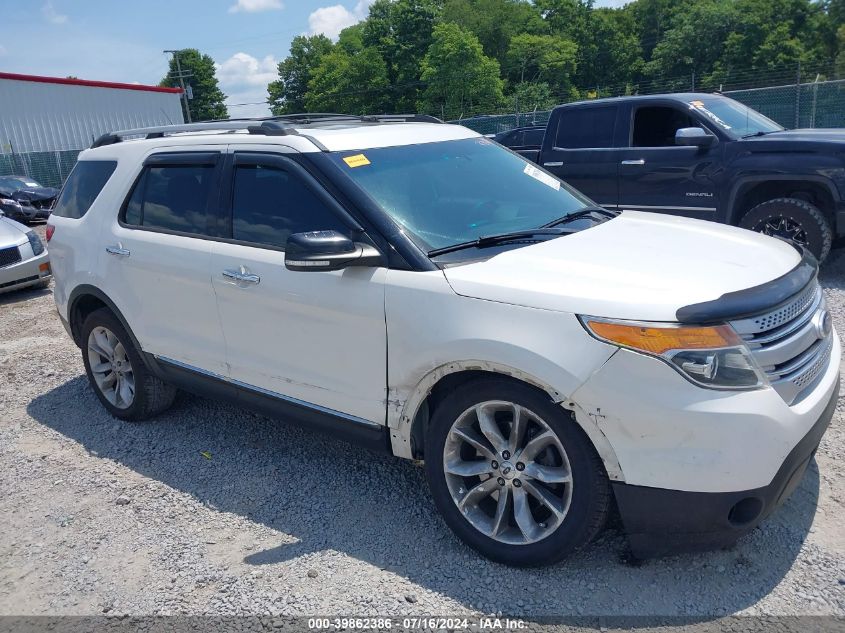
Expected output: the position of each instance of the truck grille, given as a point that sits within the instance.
(792, 342)
(9, 256)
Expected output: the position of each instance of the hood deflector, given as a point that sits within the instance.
(750, 301)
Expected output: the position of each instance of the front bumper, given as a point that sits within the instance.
(659, 521)
(29, 272)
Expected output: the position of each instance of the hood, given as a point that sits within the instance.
(35, 194)
(640, 266)
(814, 135)
(11, 232)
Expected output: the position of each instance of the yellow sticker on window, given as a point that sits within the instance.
(359, 160)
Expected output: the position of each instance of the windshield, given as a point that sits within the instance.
(735, 118)
(452, 192)
(18, 183)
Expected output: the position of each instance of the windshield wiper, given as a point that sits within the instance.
(492, 240)
(586, 212)
(757, 133)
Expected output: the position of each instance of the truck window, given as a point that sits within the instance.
(655, 126)
(586, 127)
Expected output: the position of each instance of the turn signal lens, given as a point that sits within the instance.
(663, 338)
(714, 357)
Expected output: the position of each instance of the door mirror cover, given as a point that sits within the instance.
(694, 137)
(316, 251)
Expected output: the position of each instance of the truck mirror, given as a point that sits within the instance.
(693, 136)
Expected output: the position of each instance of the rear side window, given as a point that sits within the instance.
(84, 184)
(172, 198)
(270, 204)
(588, 127)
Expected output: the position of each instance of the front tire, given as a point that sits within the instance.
(117, 373)
(795, 220)
(513, 474)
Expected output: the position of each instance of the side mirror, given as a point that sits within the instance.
(694, 136)
(316, 251)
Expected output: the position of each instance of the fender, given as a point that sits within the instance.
(827, 183)
(401, 415)
(85, 290)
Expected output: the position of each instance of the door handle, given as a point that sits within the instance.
(118, 250)
(553, 163)
(241, 276)
(638, 161)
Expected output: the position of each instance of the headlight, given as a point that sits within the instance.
(35, 242)
(710, 356)
(9, 201)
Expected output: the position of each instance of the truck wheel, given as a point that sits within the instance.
(513, 475)
(794, 219)
(116, 372)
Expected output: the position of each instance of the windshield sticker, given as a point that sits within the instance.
(359, 160)
(538, 174)
(699, 105)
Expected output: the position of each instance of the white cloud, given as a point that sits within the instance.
(3, 50)
(330, 21)
(256, 6)
(51, 15)
(244, 79)
(242, 69)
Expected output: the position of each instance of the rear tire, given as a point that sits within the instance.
(793, 219)
(117, 372)
(519, 530)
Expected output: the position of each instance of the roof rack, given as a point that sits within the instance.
(268, 126)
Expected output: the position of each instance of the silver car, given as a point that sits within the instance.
(24, 261)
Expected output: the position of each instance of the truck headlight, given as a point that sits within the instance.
(35, 242)
(10, 202)
(710, 356)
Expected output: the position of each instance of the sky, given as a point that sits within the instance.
(123, 40)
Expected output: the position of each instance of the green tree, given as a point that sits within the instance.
(401, 31)
(208, 99)
(460, 79)
(495, 22)
(542, 58)
(528, 97)
(349, 83)
(288, 93)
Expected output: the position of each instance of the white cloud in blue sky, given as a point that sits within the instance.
(123, 41)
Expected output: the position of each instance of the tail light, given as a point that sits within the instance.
(50, 230)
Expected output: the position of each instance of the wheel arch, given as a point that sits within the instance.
(85, 299)
(409, 420)
(750, 191)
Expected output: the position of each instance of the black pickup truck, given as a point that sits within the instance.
(702, 156)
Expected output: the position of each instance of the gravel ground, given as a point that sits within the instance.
(213, 510)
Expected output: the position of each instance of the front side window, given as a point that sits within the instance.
(83, 185)
(451, 192)
(172, 198)
(269, 204)
(655, 126)
(586, 127)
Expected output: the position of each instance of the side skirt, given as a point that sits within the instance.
(209, 385)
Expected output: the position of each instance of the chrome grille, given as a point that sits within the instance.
(789, 342)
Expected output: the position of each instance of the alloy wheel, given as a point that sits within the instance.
(783, 227)
(508, 472)
(111, 367)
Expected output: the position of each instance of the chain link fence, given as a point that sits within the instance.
(46, 168)
(819, 104)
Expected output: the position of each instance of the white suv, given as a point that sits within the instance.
(418, 288)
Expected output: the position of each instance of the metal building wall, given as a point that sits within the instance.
(40, 117)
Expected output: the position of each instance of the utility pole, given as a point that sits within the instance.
(181, 77)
